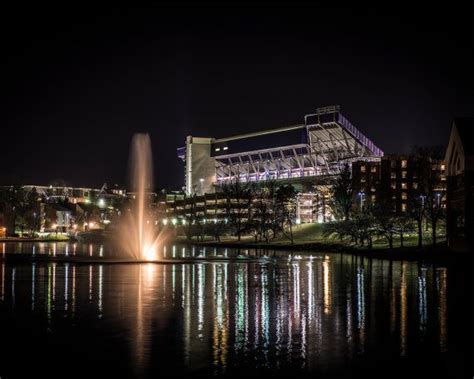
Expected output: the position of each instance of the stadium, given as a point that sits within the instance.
(307, 153)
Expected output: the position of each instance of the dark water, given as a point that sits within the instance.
(320, 315)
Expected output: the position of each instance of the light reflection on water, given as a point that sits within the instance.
(305, 314)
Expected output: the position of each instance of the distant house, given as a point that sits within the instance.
(460, 191)
(61, 217)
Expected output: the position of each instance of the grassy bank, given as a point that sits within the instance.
(311, 238)
(48, 238)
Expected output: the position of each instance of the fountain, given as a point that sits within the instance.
(138, 234)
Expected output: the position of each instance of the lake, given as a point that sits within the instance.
(277, 313)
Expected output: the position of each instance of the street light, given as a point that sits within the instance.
(361, 194)
(422, 197)
(201, 181)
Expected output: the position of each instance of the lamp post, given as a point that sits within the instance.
(201, 181)
(422, 197)
(361, 195)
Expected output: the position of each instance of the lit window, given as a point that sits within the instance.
(393, 175)
(373, 198)
(225, 148)
(415, 185)
(404, 163)
(362, 180)
(404, 186)
(404, 195)
(362, 168)
(404, 207)
(372, 189)
(443, 167)
(373, 169)
(394, 185)
(404, 174)
(218, 149)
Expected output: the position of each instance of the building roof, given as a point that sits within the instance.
(465, 128)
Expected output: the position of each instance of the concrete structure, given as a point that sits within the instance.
(309, 152)
(460, 190)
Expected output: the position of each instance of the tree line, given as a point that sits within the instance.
(380, 219)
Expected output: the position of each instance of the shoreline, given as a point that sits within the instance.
(19, 239)
(438, 253)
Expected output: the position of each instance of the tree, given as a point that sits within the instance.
(262, 219)
(342, 192)
(238, 199)
(17, 204)
(285, 210)
(403, 224)
(430, 191)
(384, 218)
(363, 223)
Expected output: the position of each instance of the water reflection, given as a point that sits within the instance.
(218, 316)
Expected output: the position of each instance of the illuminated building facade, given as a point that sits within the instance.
(396, 177)
(308, 152)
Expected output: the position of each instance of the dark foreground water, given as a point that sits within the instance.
(320, 315)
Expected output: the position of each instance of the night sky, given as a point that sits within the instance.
(78, 82)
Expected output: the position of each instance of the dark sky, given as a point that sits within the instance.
(78, 82)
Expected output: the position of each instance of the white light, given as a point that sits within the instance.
(149, 253)
(174, 221)
(165, 221)
(201, 180)
(101, 203)
(225, 148)
(298, 221)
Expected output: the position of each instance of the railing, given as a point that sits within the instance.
(359, 136)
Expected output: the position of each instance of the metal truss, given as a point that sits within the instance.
(332, 142)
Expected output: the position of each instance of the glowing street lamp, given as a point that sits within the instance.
(438, 195)
(361, 195)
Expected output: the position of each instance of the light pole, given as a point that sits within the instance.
(361, 194)
(201, 181)
(422, 197)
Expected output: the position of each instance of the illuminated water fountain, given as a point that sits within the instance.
(138, 234)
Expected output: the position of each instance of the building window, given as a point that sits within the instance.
(373, 198)
(404, 207)
(415, 185)
(362, 180)
(404, 163)
(393, 163)
(372, 189)
(393, 185)
(218, 149)
(404, 186)
(393, 175)
(362, 168)
(373, 169)
(404, 195)
(404, 174)
(225, 148)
